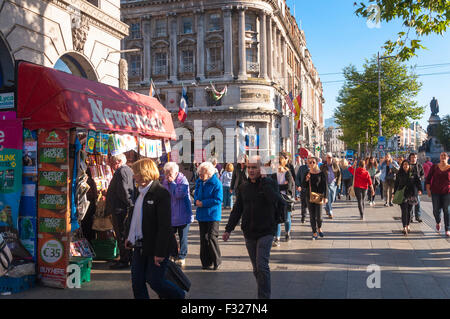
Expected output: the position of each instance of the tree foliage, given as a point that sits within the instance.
(443, 132)
(422, 17)
(357, 112)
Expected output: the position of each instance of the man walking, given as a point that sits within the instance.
(256, 204)
(334, 178)
(299, 178)
(416, 168)
(119, 198)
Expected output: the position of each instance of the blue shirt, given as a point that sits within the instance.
(331, 177)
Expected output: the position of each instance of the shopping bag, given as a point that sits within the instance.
(399, 196)
(175, 275)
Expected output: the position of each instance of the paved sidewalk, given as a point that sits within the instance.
(416, 266)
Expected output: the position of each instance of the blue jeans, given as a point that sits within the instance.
(144, 270)
(183, 235)
(331, 197)
(227, 200)
(259, 253)
(441, 202)
(287, 225)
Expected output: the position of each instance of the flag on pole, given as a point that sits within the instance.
(288, 99)
(182, 113)
(152, 91)
(298, 107)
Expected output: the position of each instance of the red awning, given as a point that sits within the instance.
(49, 99)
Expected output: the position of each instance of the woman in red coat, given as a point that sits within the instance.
(362, 183)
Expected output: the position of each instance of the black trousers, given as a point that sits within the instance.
(315, 216)
(209, 244)
(360, 196)
(118, 221)
(304, 204)
(406, 213)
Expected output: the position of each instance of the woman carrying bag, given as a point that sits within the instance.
(286, 183)
(315, 182)
(407, 187)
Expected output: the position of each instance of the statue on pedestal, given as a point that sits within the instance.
(434, 106)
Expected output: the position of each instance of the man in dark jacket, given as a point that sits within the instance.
(119, 199)
(256, 204)
(416, 168)
(240, 174)
(299, 178)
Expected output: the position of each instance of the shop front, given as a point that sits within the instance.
(71, 126)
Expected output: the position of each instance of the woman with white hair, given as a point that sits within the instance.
(208, 199)
(178, 186)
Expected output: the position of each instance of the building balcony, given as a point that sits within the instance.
(214, 67)
(160, 70)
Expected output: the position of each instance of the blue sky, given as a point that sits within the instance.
(336, 37)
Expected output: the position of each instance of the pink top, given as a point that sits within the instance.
(439, 180)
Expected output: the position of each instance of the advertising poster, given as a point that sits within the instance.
(53, 258)
(29, 156)
(10, 174)
(28, 234)
(53, 207)
(90, 142)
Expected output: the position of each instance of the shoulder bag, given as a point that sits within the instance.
(314, 197)
(399, 196)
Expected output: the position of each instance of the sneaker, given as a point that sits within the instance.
(314, 236)
(390, 204)
(438, 228)
(386, 204)
(276, 243)
(321, 234)
(303, 220)
(447, 233)
(419, 220)
(181, 262)
(288, 237)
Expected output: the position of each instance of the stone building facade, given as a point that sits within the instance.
(332, 142)
(77, 36)
(253, 48)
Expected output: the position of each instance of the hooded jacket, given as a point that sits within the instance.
(210, 193)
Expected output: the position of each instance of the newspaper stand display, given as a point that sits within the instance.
(77, 125)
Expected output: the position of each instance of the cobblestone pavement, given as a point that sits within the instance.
(416, 266)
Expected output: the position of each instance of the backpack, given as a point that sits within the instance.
(5, 257)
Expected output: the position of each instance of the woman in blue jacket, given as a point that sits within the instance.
(208, 198)
(178, 186)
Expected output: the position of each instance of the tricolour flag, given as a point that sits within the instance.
(298, 107)
(182, 113)
(288, 99)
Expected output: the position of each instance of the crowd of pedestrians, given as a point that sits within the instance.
(149, 210)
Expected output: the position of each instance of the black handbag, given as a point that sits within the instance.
(177, 276)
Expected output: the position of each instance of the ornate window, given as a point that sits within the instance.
(214, 22)
(134, 69)
(160, 66)
(214, 59)
(135, 30)
(187, 61)
(252, 60)
(187, 25)
(161, 28)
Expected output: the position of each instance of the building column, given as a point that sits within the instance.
(147, 48)
(285, 65)
(200, 18)
(173, 46)
(279, 55)
(242, 57)
(228, 42)
(269, 48)
(262, 45)
(275, 52)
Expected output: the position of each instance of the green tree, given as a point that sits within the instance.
(443, 132)
(420, 18)
(357, 112)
